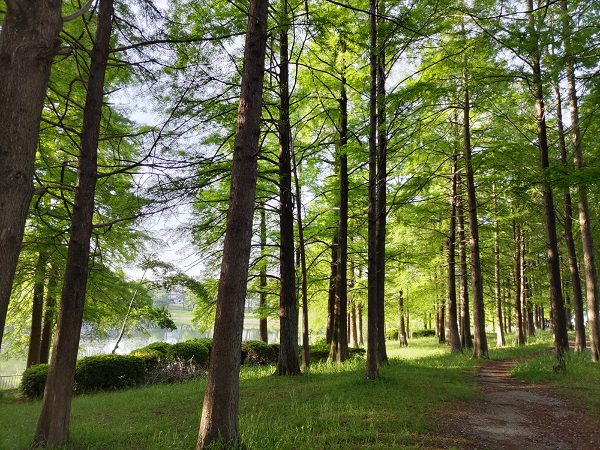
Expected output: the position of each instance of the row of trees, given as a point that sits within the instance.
(381, 150)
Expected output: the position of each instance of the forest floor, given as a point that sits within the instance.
(511, 415)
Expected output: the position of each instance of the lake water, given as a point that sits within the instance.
(89, 347)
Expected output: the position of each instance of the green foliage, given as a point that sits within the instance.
(163, 347)
(152, 358)
(207, 342)
(392, 334)
(258, 352)
(33, 380)
(108, 372)
(192, 350)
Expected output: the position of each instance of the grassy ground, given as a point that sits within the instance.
(330, 407)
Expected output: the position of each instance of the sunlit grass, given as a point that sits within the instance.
(329, 407)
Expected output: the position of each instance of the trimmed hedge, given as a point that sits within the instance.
(258, 352)
(108, 372)
(33, 380)
(162, 347)
(152, 358)
(423, 333)
(190, 351)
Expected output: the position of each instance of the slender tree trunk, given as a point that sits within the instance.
(288, 363)
(303, 269)
(219, 420)
(53, 424)
(519, 331)
(332, 289)
(480, 349)
(589, 256)
(49, 321)
(402, 335)
(263, 326)
(500, 341)
(452, 316)
(28, 43)
(372, 363)
(580, 343)
(359, 313)
(559, 326)
(35, 336)
(339, 344)
(381, 181)
(466, 339)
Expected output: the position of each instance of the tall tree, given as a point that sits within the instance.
(54, 420)
(219, 420)
(28, 44)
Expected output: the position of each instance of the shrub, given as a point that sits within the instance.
(356, 351)
(259, 352)
(207, 343)
(162, 347)
(423, 333)
(392, 335)
(174, 371)
(33, 380)
(318, 352)
(190, 350)
(151, 357)
(104, 372)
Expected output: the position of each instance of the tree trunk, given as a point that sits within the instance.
(35, 336)
(263, 326)
(303, 269)
(219, 420)
(580, 343)
(288, 363)
(517, 238)
(381, 181)
(372, 363)
(28, 43)
(466, 339)
(559, 326)
(49, 321)
(359, 313)
(402, 335)
(480, 349)
(53, 424)
(332, 289)
(500, 342)
(339, 343)
(589, 256)
(452, 317)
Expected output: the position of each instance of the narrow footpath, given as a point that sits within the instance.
(512, 415)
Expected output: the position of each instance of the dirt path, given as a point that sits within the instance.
(512, 415)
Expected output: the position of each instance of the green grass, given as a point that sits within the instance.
(329, 407)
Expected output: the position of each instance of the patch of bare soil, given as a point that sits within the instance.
(512, 415)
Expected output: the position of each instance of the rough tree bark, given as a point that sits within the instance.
(288, 363)
(219, 420)
(28, 43)
(452, 316)
(53, 423)
(37, 311)
(372, 363)
(466, 339)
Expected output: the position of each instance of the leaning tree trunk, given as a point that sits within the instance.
(28, 43)
(219, 420)
(580, 343)
(53, 424)
(589, 256)
(480, 348)
(559, 326)
(372, 363)
(288, 363)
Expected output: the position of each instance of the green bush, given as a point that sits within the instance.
(190, 351)
(152, 358)
(33, 380)
(162, 347)
(105, 372)
(259, 352)
(356, 351)
(392, 335)
(207, 343)
(423, 333)
(318, 352)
